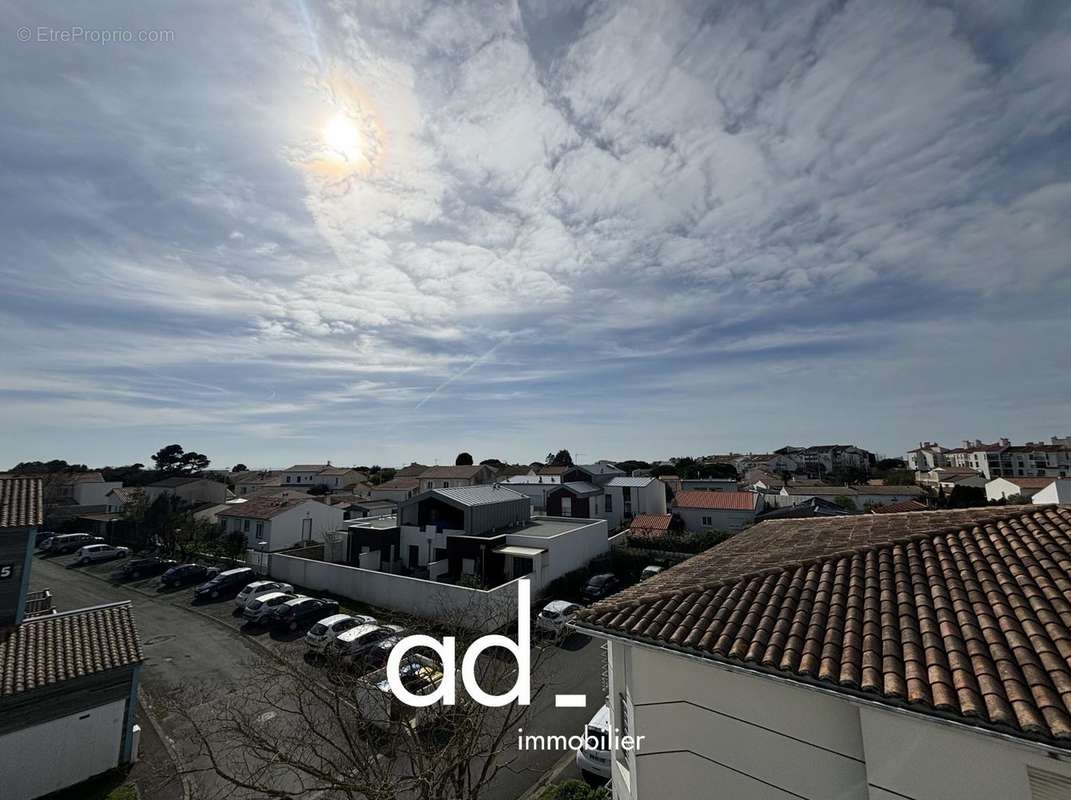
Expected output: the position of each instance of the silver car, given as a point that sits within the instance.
(324, 632)
(257, 610)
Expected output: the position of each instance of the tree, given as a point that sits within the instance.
(174, 459)
(239, 468)
(560, 459)
(493, 462)
(334, 733)
(887, 464)
(845, 502)
(319, 489)
(717, 471)
(463, 460)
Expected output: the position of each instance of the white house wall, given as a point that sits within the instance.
(721, 520)
(714, 733)
(62, 752)
(568, 551)
(94, 494)
(909, 759)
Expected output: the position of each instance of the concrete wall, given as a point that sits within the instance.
(478, 609)
(62, 752)
(1059, 491)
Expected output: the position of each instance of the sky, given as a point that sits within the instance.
(383, 232)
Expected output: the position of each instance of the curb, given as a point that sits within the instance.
(172, 752)
(548, 777)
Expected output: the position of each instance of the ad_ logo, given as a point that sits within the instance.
(446, 692)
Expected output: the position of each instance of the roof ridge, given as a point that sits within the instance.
(796, 564)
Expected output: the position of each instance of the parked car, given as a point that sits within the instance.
(258, 589)
(70, 542)
(600, 586)
(144, 567)
(100, 552)
(41, 537)
(227, 583)
(353, 645)
(259, 610)
(301, 611)
(376, 656)
(555, 616)
(649, 572)
(324, 632)
(594, 761)
(185, 574)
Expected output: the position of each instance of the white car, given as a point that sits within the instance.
(259, 589)
(555, 616)
(649, 572)
(354, 644)
(100, 552)
(593, 755)
(259, 608)
(324, 632)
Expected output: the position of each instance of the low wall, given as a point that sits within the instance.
(483, 610)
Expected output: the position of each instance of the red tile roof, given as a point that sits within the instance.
(1030, 483)
(725, 501)
(897, 508)
(457, 471)
(265, 506)
(20, 503)
(962, 614)
(51, 649)
(646, 523)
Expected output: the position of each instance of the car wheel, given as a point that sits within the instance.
(293, 626)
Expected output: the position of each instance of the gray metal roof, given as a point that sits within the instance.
(579, 487)
(482, 495)
(630, 482)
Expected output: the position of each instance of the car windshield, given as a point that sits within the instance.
(318, 629)
(547, 613)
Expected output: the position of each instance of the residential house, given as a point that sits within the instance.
(904, 506)
(117, 499)
(552, 469)
(575, 499)
(414, 470)
(253, 481)
(85, 488)
(297, 475)
(716, 511)
(927, 456)
(861, 497)
(650, 525)
(487, 532)
(537, 487)
(69, 680)
(395, 490)
(1059, 491)
(809, 509)
(627, 497)
(1003, 488)
(915, 656)
(827, 459)
(770, 462)
(363, 509)
(1002, 459)
(949, 477)
(189, 489)
(339, 479)
(451, 477)
(282, 521)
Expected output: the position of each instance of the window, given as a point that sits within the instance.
(708, 521)
(609, 501)
(288, 479)
(260, 530)
(245, 526)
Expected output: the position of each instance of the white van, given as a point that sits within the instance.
(596, 760)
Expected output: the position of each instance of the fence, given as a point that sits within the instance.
(478, 609)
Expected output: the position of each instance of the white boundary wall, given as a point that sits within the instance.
(485, 610)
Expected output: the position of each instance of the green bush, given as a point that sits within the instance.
(679, 542)
(574, 790)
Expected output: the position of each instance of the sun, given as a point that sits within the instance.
(342, 138)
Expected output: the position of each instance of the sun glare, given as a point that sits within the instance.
(342, 138)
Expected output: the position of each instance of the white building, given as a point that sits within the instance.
(709, 485)
(86, 489)
(1059, 491)
(451, 477)
(716, 511)
(395, 490)
(309, 475)
(536, 487)
(927, 456)
(189, 489)
(280, 520)
(1003, 488)
(765, 668)
(625, 498)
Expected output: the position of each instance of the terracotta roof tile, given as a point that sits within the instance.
(650, 523)
(20, 503)
(56, 648)
(899, 508)
(963, 613)
(729, 501)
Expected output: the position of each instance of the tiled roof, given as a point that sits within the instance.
(414, 470)
(457, 471)
(338, 471)
(399, 483)
(263, 478)
(20, 503)
(265, 506)
(1030, 483)
(724, 501)
(180, 480)
(897, 508)
(848, 491)
(578, 488)
(306, 467)
(962, 614)
(650, 522)
(56, 648)
(553, 470)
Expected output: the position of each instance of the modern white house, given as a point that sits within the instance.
(716, 511)
(282, 521)
(626, 497)
(1003, 488)
(536, 487)
(86, 488)
(782, 664)
(1059, 491)
(709, 485)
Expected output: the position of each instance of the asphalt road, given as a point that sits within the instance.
(203, 654)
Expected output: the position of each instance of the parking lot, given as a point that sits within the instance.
(208, 648)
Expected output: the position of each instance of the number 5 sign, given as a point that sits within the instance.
(6, 571)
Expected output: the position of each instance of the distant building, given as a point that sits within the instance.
(395, 490)
(190, 489)
(451, 477)
(716, 511)
(280, 520)
(828, 459)
(1003, 488)
(927, 456)
(1059, 491)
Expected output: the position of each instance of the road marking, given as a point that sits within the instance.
(570, 700)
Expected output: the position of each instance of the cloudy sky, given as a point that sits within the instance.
(378, 232)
